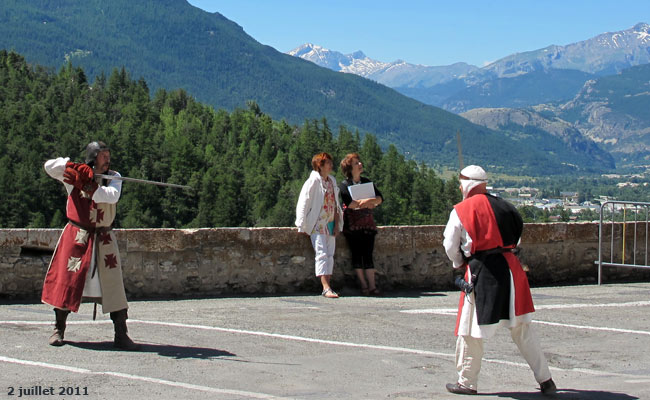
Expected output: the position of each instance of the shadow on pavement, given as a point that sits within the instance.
(565, 394)
(176, 352)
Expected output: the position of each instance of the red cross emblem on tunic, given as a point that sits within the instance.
(110, 260)
(105, 238)
(100, 216)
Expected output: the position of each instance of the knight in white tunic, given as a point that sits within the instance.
(86, 262)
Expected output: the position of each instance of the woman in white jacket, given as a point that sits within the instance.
(319, 215)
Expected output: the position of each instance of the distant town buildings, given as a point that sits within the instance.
(566, 206)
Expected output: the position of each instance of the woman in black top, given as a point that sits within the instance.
(359, 225)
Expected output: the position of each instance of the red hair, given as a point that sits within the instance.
(346, 164)
(319, 160)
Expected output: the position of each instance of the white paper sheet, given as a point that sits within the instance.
(362, 191)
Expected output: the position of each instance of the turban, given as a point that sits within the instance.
(471, 177)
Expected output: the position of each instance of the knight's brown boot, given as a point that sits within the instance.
(122, 340)
(59, 327)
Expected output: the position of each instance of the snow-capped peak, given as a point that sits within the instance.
(393, 74)
(357, 63)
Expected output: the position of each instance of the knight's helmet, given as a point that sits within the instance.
(93, 149)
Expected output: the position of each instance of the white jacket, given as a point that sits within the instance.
(310, 203)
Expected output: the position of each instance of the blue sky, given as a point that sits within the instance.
(429, 32)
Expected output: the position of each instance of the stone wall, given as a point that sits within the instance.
(226, 261)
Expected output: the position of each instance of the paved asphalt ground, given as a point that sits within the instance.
(400, 346)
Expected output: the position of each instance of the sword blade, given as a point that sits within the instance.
(127, 179)
(460, 150)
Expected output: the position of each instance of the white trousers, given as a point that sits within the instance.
(324, 247)
(469, 352)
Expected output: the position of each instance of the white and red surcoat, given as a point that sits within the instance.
(86, 261)
(481, 231)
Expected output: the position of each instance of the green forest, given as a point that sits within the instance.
(246, 169)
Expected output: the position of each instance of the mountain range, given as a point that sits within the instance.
(172, 44)
(611, 111)
(560, 70)
(597, 89)
(393, 74)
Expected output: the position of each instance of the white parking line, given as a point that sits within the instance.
(182, 385)
(377, 347)
(453, 311)
(346, 344)
(107, 321)
(598, 305)
(296, 338)
(449, 311)
(593, 328)
(440, 311)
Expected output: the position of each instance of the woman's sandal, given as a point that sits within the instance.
(374, 292)
(365, 291)
(329, 293)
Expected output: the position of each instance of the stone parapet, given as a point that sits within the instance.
(227, 261)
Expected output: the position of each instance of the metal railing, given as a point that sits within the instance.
(621, 209)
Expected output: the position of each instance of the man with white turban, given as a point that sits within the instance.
(480, 237)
